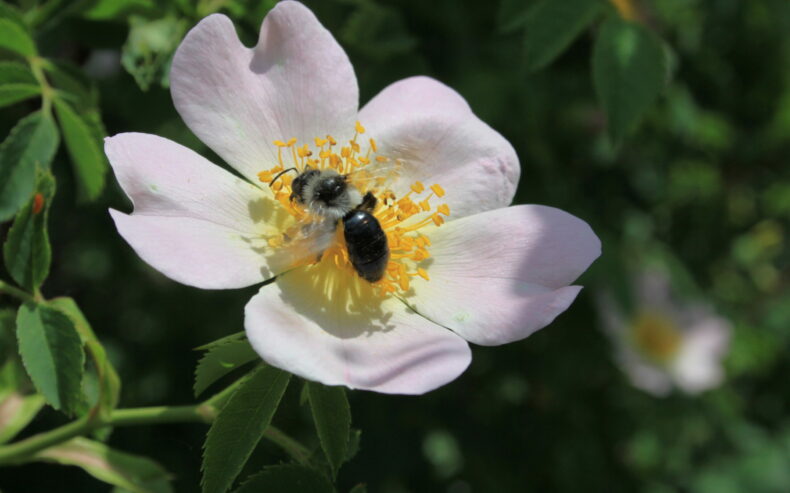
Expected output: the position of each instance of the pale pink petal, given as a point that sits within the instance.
(431, 128)
(297, 82)
(382, 347)
(192, 221)
(195, 252)
(499, 276)
(699, 367)
(163, 178)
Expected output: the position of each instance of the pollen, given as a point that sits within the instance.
(405, 215)
(656, 336)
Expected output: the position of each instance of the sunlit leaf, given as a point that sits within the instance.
(52, 353)
(84, 146)
(332, 417)
(130, 472)
(149, 49)
(551, 26)
(629, 71)
(26, 251)
(31, 144)
(221, 360)
(239, 427)
(291, 478)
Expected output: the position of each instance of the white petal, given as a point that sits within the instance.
(431, 128)
(297, 82)
(356, 341)
(499, 276)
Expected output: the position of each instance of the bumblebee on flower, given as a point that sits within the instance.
(386, 228)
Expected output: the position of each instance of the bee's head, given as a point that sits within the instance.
(299, 184)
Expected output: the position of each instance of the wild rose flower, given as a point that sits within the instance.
(463, 266)
(666, 343)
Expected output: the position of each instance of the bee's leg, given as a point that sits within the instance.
(368, 202)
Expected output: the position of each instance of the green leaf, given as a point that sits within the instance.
(332, 417)
(16, 412)
(52, 353)
(17, 83)
(239, 426)
(30, 144)
(149, 49)
(221, 360)
(15, 72)
(629, 71)
(83, 144)
(102, 10)
(109, 382)
(511, 15)
(13, 93)
(27, 251)
(14, 38)
(72, 84)
(127, 471)
(551, 26)
(290, 478)
(237, 336)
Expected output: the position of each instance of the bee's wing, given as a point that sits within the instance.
(376, 175)
(302, 243)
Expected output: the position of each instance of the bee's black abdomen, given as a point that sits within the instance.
(366, 243)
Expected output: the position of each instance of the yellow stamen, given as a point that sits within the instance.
(399, 216)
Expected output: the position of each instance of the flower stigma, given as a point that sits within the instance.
(401, 217)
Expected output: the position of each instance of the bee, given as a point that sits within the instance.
(329, 196)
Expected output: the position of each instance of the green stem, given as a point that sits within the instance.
(47, 92)
(204, 412)
(10, 290)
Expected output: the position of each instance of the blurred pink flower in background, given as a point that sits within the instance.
(666, 343)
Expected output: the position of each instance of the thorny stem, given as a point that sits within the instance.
(204, 412)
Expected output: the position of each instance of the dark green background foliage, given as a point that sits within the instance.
(700, 180)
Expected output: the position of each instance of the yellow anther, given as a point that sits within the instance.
(439, 191)
(291, 141)
(373, 145)
(364, 160)
(359, 128)
(403, 283)
(426, 240)
(382, 159)
(331, 140)
(418, 187)
(280, 143)
(444, 209)
(320, 142)
(425, 206)
(423, 273)
(437, 219)
(265, 176)
(345, 151)
(354, 145)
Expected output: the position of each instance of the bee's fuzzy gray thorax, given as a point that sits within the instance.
(339, 206)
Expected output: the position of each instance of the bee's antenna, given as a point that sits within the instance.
(280, 174)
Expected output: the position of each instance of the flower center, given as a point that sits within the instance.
(363, 172)
(656, 336)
